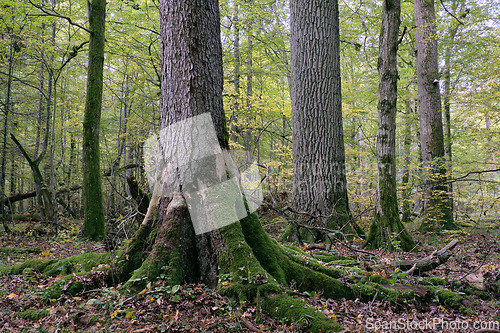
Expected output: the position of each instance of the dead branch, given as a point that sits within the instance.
(430, 262)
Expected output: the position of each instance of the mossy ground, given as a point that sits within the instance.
(301, 288)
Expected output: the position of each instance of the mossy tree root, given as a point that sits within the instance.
(389, 234)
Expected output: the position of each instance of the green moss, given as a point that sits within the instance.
(468, 311)
(67, 285)
(306, 318)
(80, 263)
(263, 247)
(435, 281)
(371, 290)
(76, 264)
(164, 257)
(287, 268)
(133, 253)
(374, 278)
(238, 259)
(37, 265)
(447, 297)
(329, 257)
(33, 314)
(313, 264)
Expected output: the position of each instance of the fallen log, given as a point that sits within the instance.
(18, 197)
(31, 194)
(428, 263)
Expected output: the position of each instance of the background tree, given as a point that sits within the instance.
(92, 187)
(437, 210)
(319, 179)
(387, 229)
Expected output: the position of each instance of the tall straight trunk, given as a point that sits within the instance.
(183, 24)
(237, 74)
(7, 109)
(249, 113)
(405, 181)
(437, 210)
(387, 229)
(93, 204)
(319, 175)
(52, 182)
(13, 179)
(493, 163)
(447, 110)
(41, 99)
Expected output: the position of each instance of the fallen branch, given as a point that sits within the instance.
(428, 263)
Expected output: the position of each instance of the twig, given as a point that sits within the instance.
(446, 9)
(55, 14)
(402, 35)
(411, 270)
(479, 266)
(249, 325)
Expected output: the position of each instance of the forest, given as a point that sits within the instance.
(249, 166)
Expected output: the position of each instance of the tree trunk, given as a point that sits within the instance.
(92, 186)
(387, 229)
(249, 114)
(7, 108)
(319, 175)
(437, 211)
(447, 110)
(405, 181)
(39, 183)
(236, 54)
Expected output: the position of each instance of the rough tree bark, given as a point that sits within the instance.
(387, 229)
(92, 186)
(437, 210)
(319, 175)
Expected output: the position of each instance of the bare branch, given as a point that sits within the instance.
(53, 13)
(446, 9)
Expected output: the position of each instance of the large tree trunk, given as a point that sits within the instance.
(437, 211)
(319, 175)
(92, 186)
(387, 229)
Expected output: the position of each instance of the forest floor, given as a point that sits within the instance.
(196, 308)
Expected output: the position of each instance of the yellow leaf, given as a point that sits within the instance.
(11, 296)
(114, 314)
(77, 298)
(129, 314)
(142, 292)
